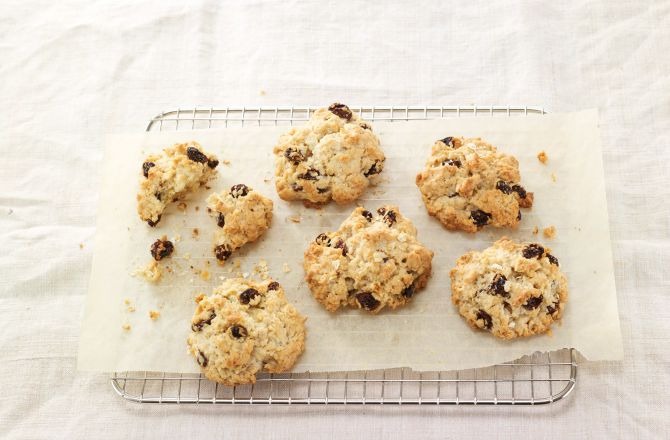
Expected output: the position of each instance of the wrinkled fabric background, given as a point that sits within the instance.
(73, 70)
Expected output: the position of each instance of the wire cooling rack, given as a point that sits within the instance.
(541, 378)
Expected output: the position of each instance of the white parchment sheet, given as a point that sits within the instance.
(426, 335)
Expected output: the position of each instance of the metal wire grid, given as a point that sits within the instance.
(538, 379)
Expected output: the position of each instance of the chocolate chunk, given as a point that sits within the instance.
(310, 174)
(196, 155)
(239, 190)
(238, 331)
(201, 359)
(367, 214)
(488, 321)
(367, 301)
(447, 141)
(248, 295)
(533, 302)
(503, 187)
(519, 190)
(221, 220)
(376, 168)
(295, 187)
(390, 218)
(552, 259)
(294, 156)
(200, 324)
(161, 249)
(212, 163)
(154, 223)
(341, 245)
(145, 168)
(323, 239)
(533, 250)
(454, 163)
(273, 285)
(340, 110)
(222, 252)
(479, 217)
(381, 211)
(408, 291)
(497, 286)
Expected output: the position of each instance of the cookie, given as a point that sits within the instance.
(242, 216)
(170, 175)
(334, 156)
(372, 261)
(468, 184)
(243, 328)
(509, 289)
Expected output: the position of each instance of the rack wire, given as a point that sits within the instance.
(541, 378)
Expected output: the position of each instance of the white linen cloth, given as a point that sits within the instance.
(73, 70)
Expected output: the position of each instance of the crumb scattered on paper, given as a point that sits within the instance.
(226, 162)
(187, 256)
(549, 232)
(182, 206)
(205, 275)
(196, 232)
(286, 268)
(126, 327)
(197, 208)
(553, 177)
(261, 92)
(81, 245)
(294, 218)
(154, 314)
(542, 157)
(151, 272)
(535, 230)
(261, 268)
(177, 238)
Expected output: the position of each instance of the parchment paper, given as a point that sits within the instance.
(426, 335)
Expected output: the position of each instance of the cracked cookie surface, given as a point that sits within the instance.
(372, 261)
(242, 216)
(467, 184)
(170, 175)
(510, 289)
(334, 156)
(243, 328)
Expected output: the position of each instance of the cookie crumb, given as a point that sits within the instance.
(154, 314)
(196, 232)
(187, 256)
(205, 275)
(177, 238)
(261, 92)
(127, 301)
(199, 297)
(197, 208)
(535, 230)
(542, 157)
(226, 162)
(126, 327)
(182, 206)
(81, 245)
(130, 309)
(553, 177)
(294, 218)
(261, 268)
(286, 268)
(549, 232)
(151, 272)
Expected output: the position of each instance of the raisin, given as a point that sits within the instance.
(367, 214)
(488, 321)
(452, 195)
(199, 325)
(238, 331)
(154, 223)
(553, 308)
(518, 215)
(323, 239)
(454, 163)
(342, 245)
(294, 156)
(408, 291)
(341, 110)
(239, 190)
(248, 295)
(221, 220)
(196, 155)
(322, 190)
(381, 211)
(201, 359)
(158, 195)
(497, 286)
(503, 187)
(295, 187)
(533, 302)
(273, 285)
(390, 218)
(479, 217)
(507, 306)
(145, 168)
(222, 252)
(365, 126)
(212, 163)
(367, 301)
(519, 190)
(533, 250)
(161, 249)
(552, 259)
(310, 174)
(447, 141)
(376, 168)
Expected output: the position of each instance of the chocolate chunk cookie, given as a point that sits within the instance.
(467, 184)
(510, 289)
(372, 261)
(243, 328)
(334, 156)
